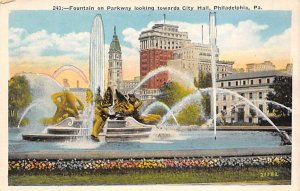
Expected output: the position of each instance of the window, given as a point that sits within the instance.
(261, 107)
(217, 109)
(224, 97)
(229, 83)
(250, 120)
(268, 80)
(251, 95)
(259, 81)
(222, 84)
(224, 108)
(236, 83)
(244, 82)
(251, 82)
(260, 95)
(243, 94)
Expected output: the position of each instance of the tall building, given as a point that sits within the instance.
(156, 48)
(115, 63)
(96, 59)
(265, 66)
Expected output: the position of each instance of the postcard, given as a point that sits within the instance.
(149, 95)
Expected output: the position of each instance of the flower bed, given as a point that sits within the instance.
(28, 165)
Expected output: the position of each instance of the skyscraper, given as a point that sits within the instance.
(96, 60)
(157, 45)
(115, 63)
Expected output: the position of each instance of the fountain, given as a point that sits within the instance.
(157, 104)
(123, 123)
(283, 135)
(182, 76)
(196, 96)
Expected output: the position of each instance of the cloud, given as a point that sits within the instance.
(241, 43)
(22, 43)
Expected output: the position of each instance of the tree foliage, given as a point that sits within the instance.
(204, 80)
(19, 97)
(282, 93)
(172, 92)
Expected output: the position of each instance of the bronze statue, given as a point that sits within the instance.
(101, 111)
(130, 107)
(67, 105)
(122, 107)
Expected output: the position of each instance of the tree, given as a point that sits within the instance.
(204, 80)
(172, 92)
(19, 97)
(281, 93)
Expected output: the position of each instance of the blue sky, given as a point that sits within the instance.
(63, 22)
(46, 40)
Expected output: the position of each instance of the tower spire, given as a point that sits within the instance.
(115, 33)
(164, 18)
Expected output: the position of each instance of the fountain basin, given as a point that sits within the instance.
(125, 130)
(68, 129)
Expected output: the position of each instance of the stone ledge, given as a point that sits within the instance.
(87, 155)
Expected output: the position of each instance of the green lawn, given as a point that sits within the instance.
(256, 175)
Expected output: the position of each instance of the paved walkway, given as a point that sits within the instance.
(87, 155)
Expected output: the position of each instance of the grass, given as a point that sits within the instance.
(249, 175)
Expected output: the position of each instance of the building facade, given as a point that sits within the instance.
(115, 63)
(128, 85)
(265, 66)
(195, 57)
(252, 85)
(156, 48)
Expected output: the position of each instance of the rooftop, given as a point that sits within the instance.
(247, 75)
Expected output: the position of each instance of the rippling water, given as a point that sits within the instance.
(177, 140)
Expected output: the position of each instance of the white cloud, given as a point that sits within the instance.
(21, 43)
(234, 41)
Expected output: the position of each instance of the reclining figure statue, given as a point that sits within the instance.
(67, 105)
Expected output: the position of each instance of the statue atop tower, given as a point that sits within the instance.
(115, 63)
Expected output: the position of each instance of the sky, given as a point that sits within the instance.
(42, 41)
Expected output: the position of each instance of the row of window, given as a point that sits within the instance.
(205, 67)
(250, 96)
(251, 111)
(244, 82)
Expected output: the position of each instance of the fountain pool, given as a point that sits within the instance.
(201, 139)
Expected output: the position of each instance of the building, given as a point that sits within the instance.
(265, 66)
(148, 95)
(252, 85)
(194, 58)
(115, 63)
(238, 70)
(96, 59)
(128, 85)
(156, 48)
